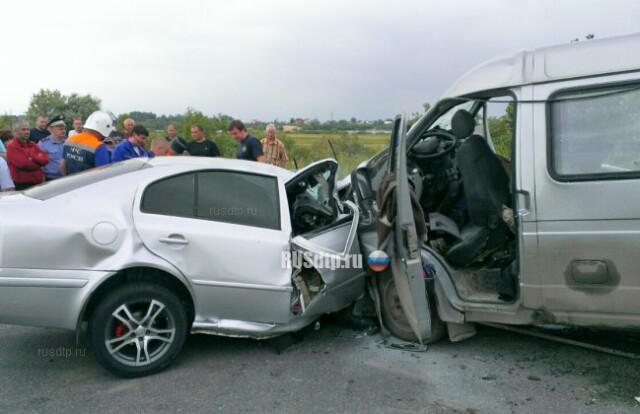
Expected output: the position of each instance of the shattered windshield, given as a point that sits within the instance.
(444, 122)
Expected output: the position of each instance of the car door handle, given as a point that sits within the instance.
(174, 240)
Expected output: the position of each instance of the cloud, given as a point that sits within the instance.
(277, 59)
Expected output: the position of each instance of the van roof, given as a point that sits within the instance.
(571, 60)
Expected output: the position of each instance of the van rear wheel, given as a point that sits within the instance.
(393, 315)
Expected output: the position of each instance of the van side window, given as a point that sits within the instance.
(595, 134)
(500, 120)
(499, 117)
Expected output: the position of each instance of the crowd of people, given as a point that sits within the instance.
(46, 152)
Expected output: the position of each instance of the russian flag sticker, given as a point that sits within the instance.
(378, 261)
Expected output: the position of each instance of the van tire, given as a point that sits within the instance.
(393, 316)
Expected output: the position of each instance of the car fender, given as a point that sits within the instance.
(157, 264)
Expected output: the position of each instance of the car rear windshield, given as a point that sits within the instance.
(63, 185)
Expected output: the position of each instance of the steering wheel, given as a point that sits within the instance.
(447, 142)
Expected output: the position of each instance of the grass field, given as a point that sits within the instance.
(369, 140)
(351, 149)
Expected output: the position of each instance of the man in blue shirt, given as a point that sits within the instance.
(133, 147)
(53, 145)
(249, 148)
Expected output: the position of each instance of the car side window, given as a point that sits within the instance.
(595, 134)
(238, 198)
(173, 196)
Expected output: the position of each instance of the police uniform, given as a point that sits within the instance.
(54, 149)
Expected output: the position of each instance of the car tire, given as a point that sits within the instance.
(138, 329)
(393, 315)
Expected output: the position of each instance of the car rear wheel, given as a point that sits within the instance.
(393, 315)
(138, 329)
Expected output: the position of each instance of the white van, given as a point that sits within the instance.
(527, 172)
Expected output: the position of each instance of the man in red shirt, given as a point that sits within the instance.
(25, 159)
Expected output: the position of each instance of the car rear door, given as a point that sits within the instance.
(226, 231)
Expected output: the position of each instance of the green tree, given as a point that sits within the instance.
(81, 105)
(6, 122)
(51, 102)
(6, 127)
(414, 117)
(46, 102)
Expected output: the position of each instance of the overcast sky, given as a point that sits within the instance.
(268, 60)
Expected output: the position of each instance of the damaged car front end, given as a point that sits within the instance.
(187, 244)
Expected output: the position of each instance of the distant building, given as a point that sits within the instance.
(290, 128)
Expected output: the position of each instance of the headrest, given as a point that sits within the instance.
(462, 124)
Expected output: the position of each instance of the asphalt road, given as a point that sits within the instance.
(334, 369)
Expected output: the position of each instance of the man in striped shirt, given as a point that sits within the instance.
(273, 149)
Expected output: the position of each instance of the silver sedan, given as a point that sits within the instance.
(145, 251)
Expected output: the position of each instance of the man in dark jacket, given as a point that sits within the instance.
(40, 131)
(249, 148)
(25, 159)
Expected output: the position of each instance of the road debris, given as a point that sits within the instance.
(394, 343)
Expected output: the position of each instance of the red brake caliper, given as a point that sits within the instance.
(120, 330)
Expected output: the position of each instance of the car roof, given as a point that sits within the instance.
(218, 162)
(571, 60)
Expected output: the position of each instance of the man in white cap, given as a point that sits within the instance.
(87, 150)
